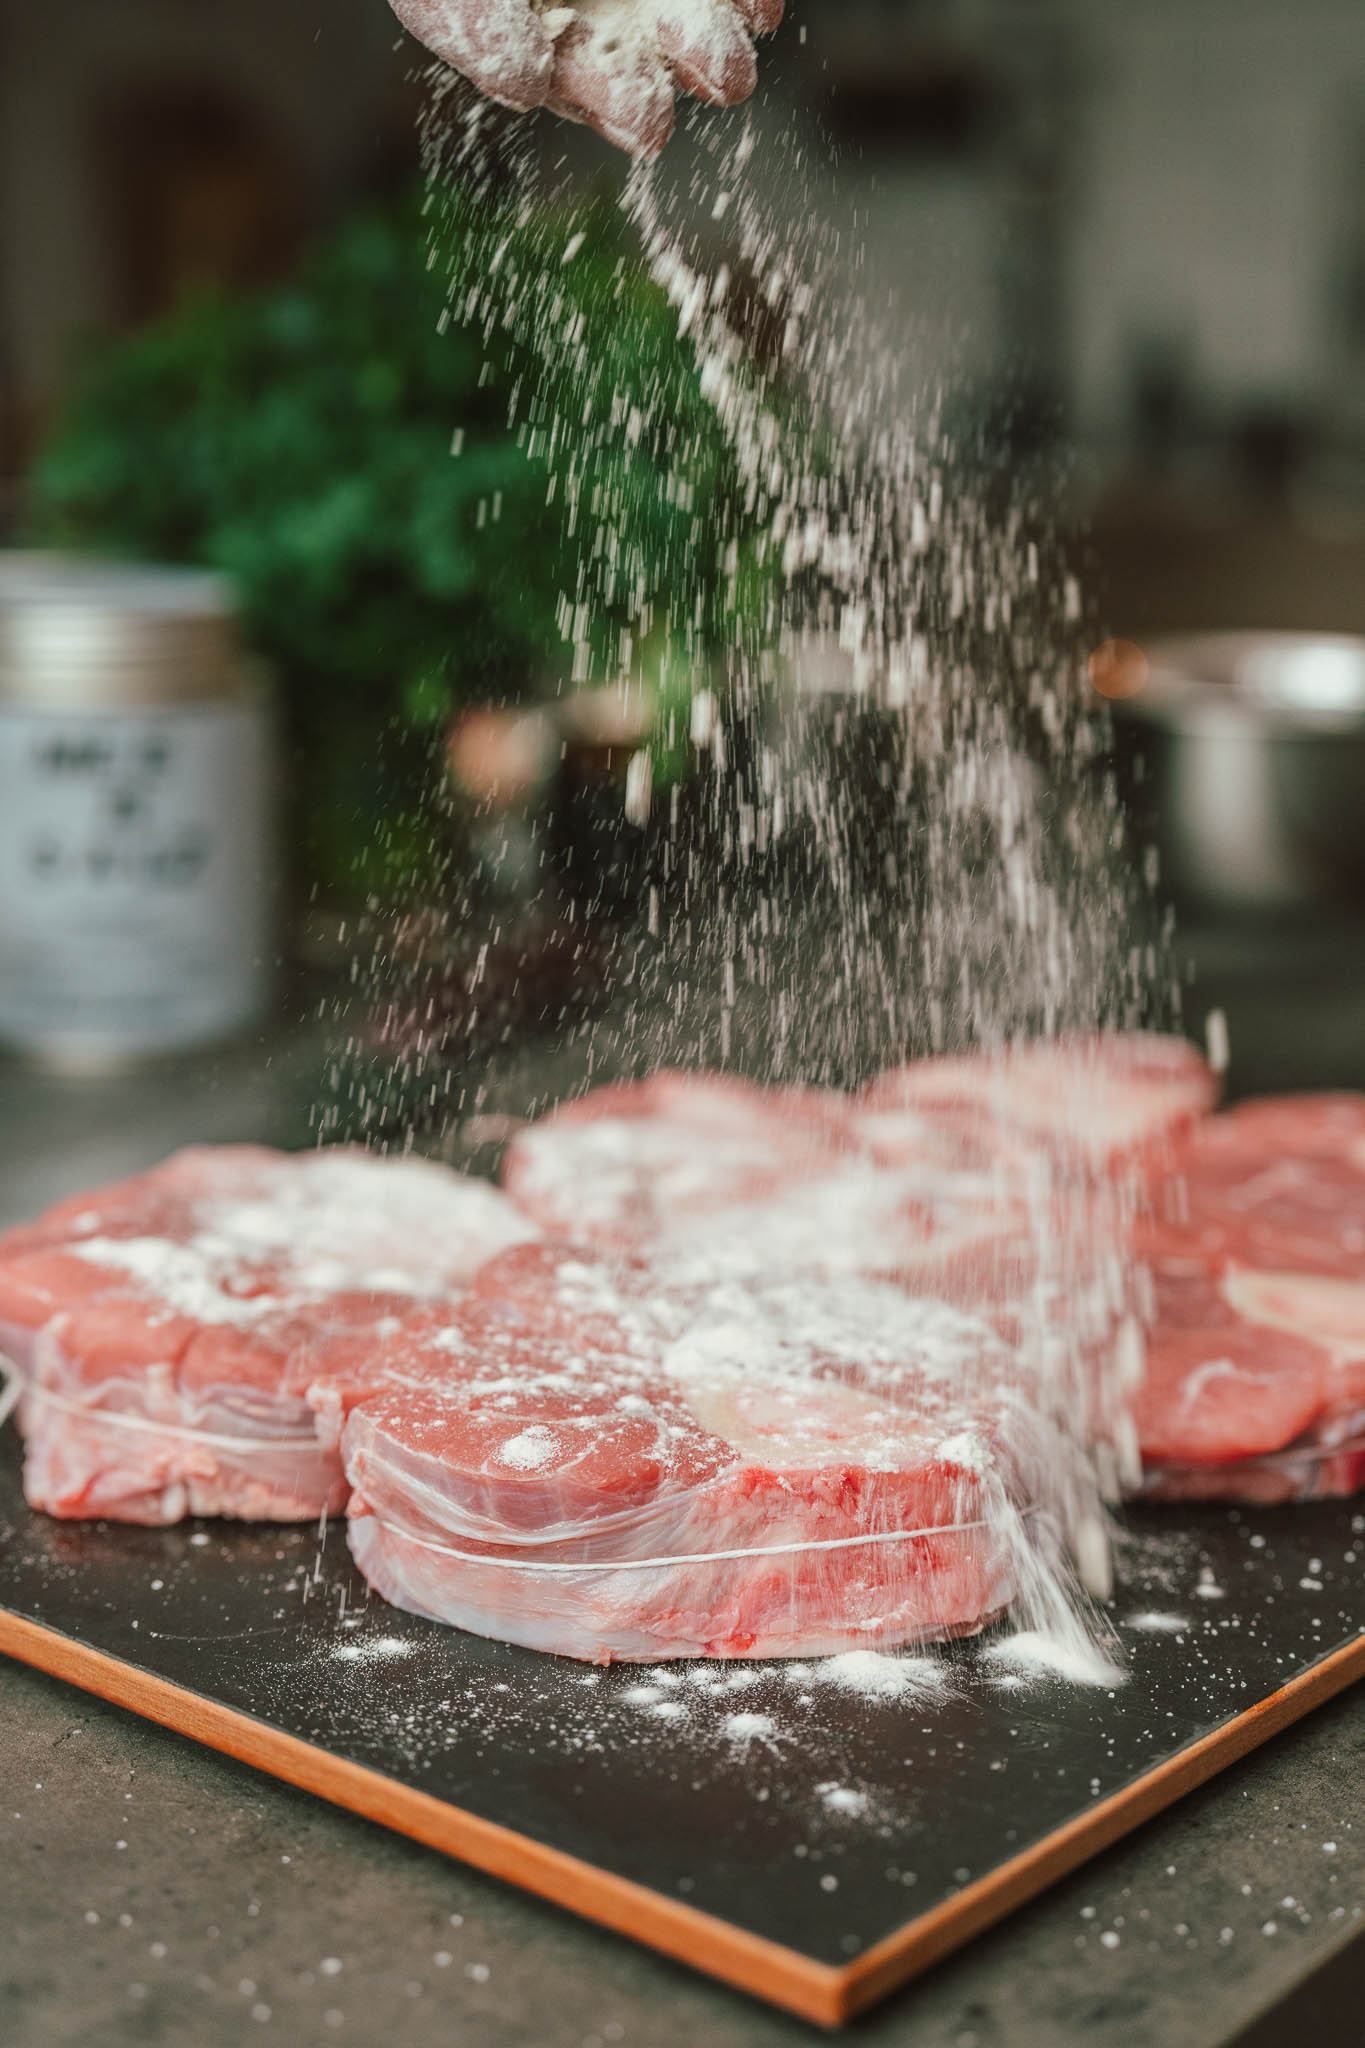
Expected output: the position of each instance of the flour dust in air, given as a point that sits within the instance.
(853, 821)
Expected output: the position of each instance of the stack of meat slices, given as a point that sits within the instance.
(1255, 1242)
(588, 1461)
(721, 1180)
(1068, 1132)
(177, 1332)
(1003, 1184)
(632, 1162)
(933, 1177)
(760, 1389)
(1084, 1104)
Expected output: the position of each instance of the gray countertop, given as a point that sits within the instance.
(151, 1891)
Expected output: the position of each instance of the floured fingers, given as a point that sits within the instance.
(501, 46)
(761, 16)
(708, 48)
(611, 74)
(613, 64)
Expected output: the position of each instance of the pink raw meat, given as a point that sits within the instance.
(180, 1332)
(239, 1222)
(721, 1177)
(1219, 1388)
(1277, 1186)
(1329, 1312)
(1255, 1387)
(945, 1235)
(1309, 1126)
(629, 1161)
(122, 1421)
(598, 1467)
(1261, 1212)
(160, 1201)
(1089, 1102)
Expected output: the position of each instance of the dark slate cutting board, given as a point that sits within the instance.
(818, 1849)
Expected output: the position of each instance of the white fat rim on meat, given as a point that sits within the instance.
(119, 1418)
(642, 1564)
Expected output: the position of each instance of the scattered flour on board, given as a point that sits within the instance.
(872, 1675)
(746, 1728)
(843, 1799)
(372, 1650)
(1072, 1658)
(876, 1675)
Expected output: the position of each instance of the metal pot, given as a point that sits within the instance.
(1242, 760)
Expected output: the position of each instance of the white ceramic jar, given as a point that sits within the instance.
(135, 813)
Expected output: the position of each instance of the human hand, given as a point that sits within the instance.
(612, 63)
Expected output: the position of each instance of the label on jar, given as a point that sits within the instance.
(134, 876)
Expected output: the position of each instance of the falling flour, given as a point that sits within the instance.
(957, 883)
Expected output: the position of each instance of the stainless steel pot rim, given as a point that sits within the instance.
(1294, 685)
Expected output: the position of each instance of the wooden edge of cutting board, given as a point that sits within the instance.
(937, 1933)
(781, 1975)
(821, 1992)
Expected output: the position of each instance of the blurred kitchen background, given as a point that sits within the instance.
(1157, 212)
(1130, 242)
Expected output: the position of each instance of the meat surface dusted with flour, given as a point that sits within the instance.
(178, 1332)
(945, 1175)
(596, 1461)
(635, 1158)
(1086, 1103)
(773, 1395)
